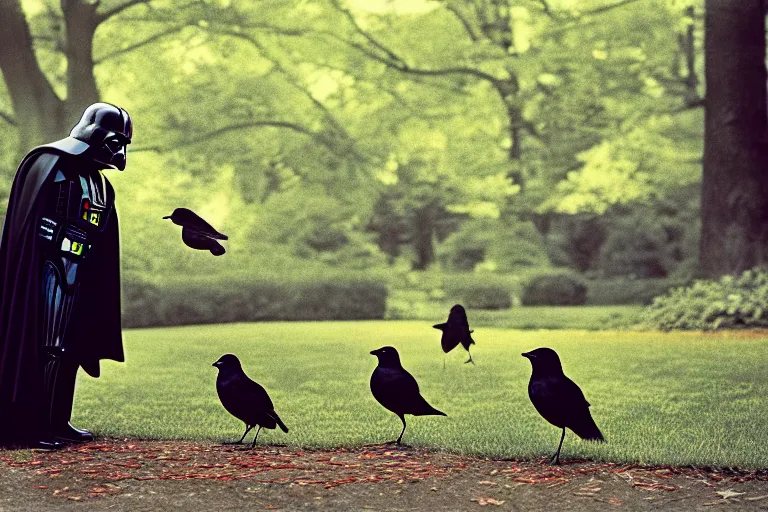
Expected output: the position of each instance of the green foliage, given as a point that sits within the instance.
(481, 291)
(655, 396)
(555, 290)
(489, 244)
(218, 299)
(628, 291)
(727, 303)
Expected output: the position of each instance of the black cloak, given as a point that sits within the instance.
(94, 330)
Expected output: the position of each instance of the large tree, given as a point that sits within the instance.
(734, 206)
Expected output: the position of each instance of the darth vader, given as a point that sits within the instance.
(60, 278)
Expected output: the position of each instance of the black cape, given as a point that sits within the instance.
(94, 330)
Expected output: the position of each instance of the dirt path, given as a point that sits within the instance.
(142, 475)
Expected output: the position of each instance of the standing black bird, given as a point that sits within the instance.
(558, 399)
(245, 399)
(196, 233)
(456, 330)
(396, 389)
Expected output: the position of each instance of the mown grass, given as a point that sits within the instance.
(414, 305)
(659, 398)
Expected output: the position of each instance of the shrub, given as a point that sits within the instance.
(603, 292)
(555, 290)
(480, 290)
(202, 300)
(727, 303)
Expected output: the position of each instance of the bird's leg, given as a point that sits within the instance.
(402, 418)
(470, 358)
(556, 457)
(247, 429)
(256, 437)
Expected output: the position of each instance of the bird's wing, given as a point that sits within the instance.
(244, 398)
(198, 240)
(398, 391)
(450, 340)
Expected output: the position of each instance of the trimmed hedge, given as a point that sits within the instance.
(603, 292)
(728, 303)
(479, 291)
(206, 300)
(555, 290)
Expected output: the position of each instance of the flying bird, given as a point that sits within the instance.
(196, 233)
(245, 399)
(558, 399)
(456, 330)
(396, 389)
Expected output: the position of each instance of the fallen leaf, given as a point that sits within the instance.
(487, 501)
(729, 494)
(486, 482)
(755, 498)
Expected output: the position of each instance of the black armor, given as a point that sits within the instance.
(72, 208)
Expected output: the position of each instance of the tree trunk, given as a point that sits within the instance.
(81, 20)
(423, 238)
(37, 109)
(41, 116)
(734, 206)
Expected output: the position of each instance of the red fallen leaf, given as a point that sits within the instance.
(271, 507)
(42, 486)
(98, 490)
(88, 471)
(615, 501)
(524, 480)
(34, 463)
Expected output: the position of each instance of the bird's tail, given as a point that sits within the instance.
(428, 410)
(217, 249)
(279, 422)
(587, 429)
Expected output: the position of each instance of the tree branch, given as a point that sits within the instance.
(8, 118)
(348, 14)
(234, 127)
(395, 61)
(605, 8)
(118, 9)
(139, 44)
(473, 35)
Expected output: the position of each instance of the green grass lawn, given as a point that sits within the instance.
(413, 305)
(658, 398)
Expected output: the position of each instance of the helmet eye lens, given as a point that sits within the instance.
(114, 145)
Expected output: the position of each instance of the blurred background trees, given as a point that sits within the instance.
(502, 137)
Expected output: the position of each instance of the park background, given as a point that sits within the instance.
(541, 162)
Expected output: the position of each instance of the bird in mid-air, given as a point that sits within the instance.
(558, 399)
(396, 389)
(196, 233)
(245, 399)
(456, 330)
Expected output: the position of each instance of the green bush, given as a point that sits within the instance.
(555, 290)
(605, 292)
(480, 290)
(204, 300)
(727, 303)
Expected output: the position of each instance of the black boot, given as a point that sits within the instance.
(61, 405)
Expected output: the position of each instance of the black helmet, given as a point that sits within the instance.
(107, 129)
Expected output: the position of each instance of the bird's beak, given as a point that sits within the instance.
(167, 217)
(216, 364)
(374, 352)
(527, 354)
